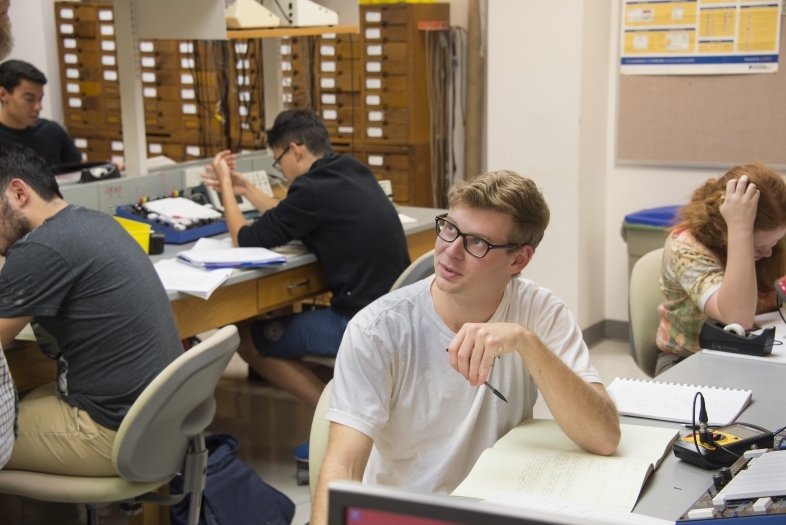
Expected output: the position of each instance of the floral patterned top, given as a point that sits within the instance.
(690, 274)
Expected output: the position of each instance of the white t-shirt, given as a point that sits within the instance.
(393, 382)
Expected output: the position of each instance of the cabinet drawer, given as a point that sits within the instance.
(394, 132)
(342, 117)
(77, 29)
(289, 286)
(329, 51)
(66, 12)
(344, 134)
(385, 83)
(375, 34)
(339, 83)
(76, 45)
(383, 101)
(152, 61)
(227, 305)
(386, 116)
(160, 47)
(385, 162)
(392, 51)
(383, 16)
(340, 100)
(385, 67)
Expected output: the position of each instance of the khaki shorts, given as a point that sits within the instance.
(57, 438)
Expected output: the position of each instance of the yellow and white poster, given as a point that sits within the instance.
(673, 37)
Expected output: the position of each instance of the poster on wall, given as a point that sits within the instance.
(670, 37)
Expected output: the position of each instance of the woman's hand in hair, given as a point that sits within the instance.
(739, 205)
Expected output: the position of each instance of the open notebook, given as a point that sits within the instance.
(674, 401)
(537, 457)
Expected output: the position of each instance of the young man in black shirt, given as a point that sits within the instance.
(337, 208)
(21, 92)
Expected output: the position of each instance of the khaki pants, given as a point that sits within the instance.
(57, 438)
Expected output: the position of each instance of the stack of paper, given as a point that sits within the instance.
(177, 277)
(211, 256)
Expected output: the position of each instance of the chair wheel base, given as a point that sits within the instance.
(302, 473)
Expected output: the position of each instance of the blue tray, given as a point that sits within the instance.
(662, 217)
(172, 236)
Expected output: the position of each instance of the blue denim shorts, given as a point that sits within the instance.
(315, 332)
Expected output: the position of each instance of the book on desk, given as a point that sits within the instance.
(538, 457)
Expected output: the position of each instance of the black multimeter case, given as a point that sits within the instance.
(737, 438)
(714, 337)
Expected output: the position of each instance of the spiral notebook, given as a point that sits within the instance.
(674, 401)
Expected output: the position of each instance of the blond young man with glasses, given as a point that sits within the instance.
(404, 412)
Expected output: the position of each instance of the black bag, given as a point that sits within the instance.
(234, 494)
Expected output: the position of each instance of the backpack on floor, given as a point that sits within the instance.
(234, 493)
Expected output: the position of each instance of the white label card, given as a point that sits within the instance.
(186, 78)
(193, 151)
(105, 15)
(374, 132)
(376, 160)
(328, 98)
(374, 51)
(155, 149)
(72, 88)
(329, 114)
(108, 60)
(148, 77)
(189, 109)
(242, 111)
(373, 16)
(329, 36)
(80, 143)
(373, 83)
(117, 145)
(327, 51)
(346, 129)
(108, 45)
(110, 75)
(286, 81)
(240, 47)
(286, 49)
(373, 33)
(286, 65)
(72, 73)
(243, 64)
(146, 47)
(327, 67)
(187, 94)
(243, 80)
(373, 100)
(107, 30)
(70, 58)
(187, 48)
(373, 67)
(244, 96)
(117, 159)
(67, 13)
(149, 92)
(327, 83)
(376, 116)
(148, 62)
(69, 43)
(74, 102)
(187, 63)
(67, 29)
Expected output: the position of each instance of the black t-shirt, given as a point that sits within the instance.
(341, 213)
(93, 288)
(47, 139)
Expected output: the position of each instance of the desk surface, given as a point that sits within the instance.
(425, 222)
(677, 484)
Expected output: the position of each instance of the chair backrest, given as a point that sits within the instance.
(644, 297)
(421, 268)
(178, 404)
(320, 428)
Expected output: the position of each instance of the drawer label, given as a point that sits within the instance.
(110, 75)
(373, 67)
(147, 47)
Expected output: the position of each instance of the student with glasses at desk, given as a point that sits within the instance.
(338, 209)
(403, 412)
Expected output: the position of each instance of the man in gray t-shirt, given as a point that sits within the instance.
(91, 291)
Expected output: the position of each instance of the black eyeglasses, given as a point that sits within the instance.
(276, 165)
(475, 246)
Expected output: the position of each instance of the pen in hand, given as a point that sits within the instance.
(496, 392)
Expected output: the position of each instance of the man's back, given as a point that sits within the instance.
(340, 213)
(88, 284)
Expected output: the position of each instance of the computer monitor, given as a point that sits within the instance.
(356, 504)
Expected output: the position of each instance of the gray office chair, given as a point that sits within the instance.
(320, 427)
(420, 269)
(644, 297)
(161, 435)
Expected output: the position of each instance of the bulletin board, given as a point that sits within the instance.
(697, 120)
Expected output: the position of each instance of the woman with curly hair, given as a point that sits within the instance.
(722, 258)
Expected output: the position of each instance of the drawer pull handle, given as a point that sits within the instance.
(298, 285)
